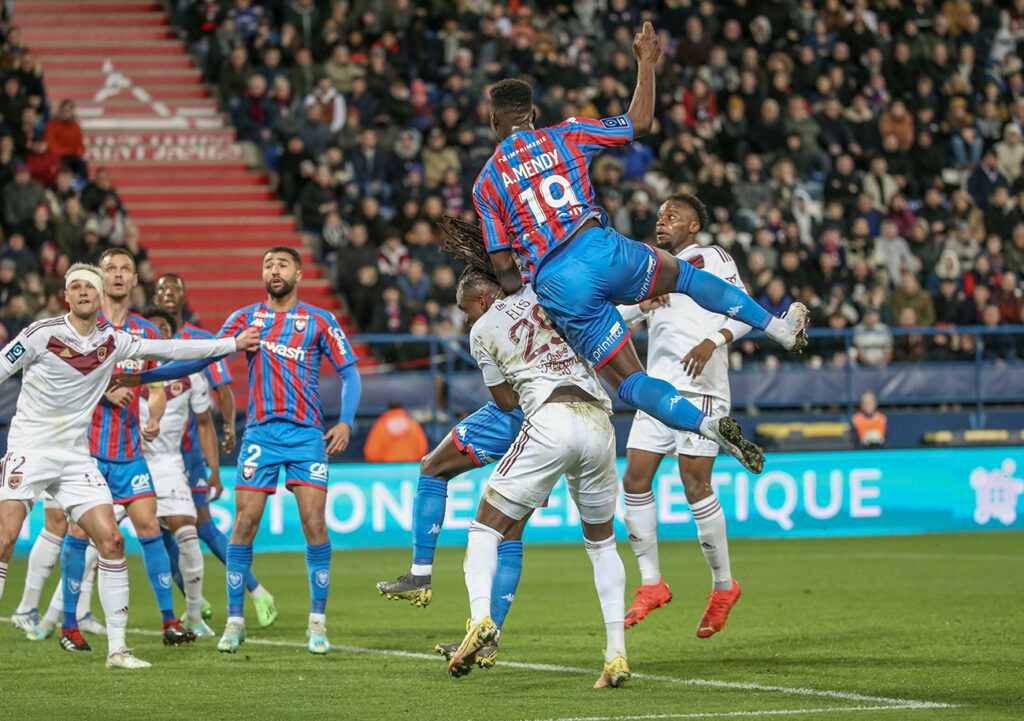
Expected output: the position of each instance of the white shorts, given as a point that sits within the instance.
(70, 476)
(170, 481)
(650, 434)
(49, 504)
(576, 439)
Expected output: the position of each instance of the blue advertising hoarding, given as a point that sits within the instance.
(849, 493)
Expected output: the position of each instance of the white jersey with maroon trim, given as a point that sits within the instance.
(183, 395)
(676, 328)
(515, 341)
(64, 375)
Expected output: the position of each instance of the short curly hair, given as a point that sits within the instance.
(512, 96)
(694, 202)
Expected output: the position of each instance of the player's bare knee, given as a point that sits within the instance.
(110, 543)
(433, 465)
(56, 522)
(696, 483)
(598, 531)
(244, 530)
(635, 483)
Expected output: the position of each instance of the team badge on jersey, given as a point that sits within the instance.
(14, 481)
(176, 388)
(300, 323)
(101, 353)
(16, 352)
(248, 472)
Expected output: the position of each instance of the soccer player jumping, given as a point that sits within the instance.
(535, 201)
(284, 429)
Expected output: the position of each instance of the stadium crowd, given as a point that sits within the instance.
(862, 157)
(51, 213)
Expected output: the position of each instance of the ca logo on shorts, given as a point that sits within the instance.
(235, 579)
(248, 472)
(323, 578)
(165, 580)
(140, 482)
(318, 471)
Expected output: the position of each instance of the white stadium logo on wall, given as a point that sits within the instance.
(996, 493)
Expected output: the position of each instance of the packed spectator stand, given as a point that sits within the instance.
(862, 157)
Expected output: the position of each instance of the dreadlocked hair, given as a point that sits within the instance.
(466, 241)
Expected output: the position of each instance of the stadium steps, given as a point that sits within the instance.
(173, 155)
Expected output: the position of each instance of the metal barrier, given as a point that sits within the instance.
(449, 371)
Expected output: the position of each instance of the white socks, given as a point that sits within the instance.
(88, 578)
(190, 563)
(55, 613)
(777, 329)
(3, 577)
(610, 581)
(421, 569)
(479, 568)
(42, 559)
(258, 591)
(710, 520)
(113, 584)
(642, 525)
(320, 618)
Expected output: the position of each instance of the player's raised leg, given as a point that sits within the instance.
(41, 561)
(642, 516)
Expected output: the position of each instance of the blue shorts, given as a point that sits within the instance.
(487, 434)
(268, 447)
(580, 285)
(128, 480)
(195, 467)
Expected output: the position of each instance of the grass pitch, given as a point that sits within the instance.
(925, 628)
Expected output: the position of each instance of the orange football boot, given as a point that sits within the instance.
(719, 605)
(647, 599)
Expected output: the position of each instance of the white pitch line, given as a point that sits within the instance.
(738, 685)
(726, 714)
(883, 556)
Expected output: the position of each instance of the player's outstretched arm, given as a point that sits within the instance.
(197, 353)
(647, 51)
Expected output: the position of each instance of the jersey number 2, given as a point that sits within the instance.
(568, 197)
(525, 325)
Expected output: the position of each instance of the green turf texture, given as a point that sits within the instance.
(931, 618)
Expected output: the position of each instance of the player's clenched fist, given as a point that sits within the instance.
(248, 339)
(646, 46)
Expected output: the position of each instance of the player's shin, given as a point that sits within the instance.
(190, 562)
(72, 570)
(479, 568)
(3, 577)
(642, 525)
(318, 568)
(173, 554)
(506, 580)
(427, 518)
(217, 542)
(239, 561)
(610, 581)
(660, 399)
(84, 607)
(41, 560)
(710, 520)
(720, 296)
(158, 569)
(113, 591)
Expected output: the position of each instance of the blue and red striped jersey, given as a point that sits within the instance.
(217, 373)
(114, 432)
(535, 190)
(284, 374)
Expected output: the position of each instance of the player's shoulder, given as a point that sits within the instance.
(190, 330)
(322, 316)
(701, 256)
(43, 328)
(248, 309)
(145, 328)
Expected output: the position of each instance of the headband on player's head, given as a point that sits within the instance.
(89, 276)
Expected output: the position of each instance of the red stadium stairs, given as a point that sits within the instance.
(202, 212)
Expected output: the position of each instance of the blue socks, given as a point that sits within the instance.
(660, 399)
(239, 561)
(217, 542)
(318, 566)
(427, 518)
(715, 294)
(506, 579)
(72, 569)
(171, 546)
(158, 568)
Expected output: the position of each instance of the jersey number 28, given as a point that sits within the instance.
(526, 329)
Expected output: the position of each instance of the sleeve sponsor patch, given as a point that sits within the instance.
(15, 352)
(616, 122)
